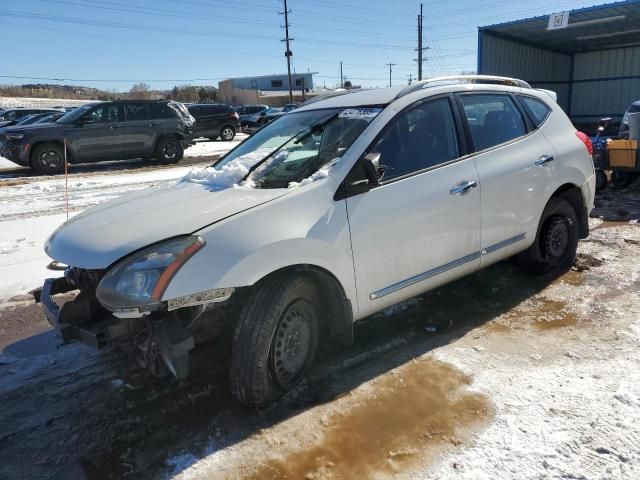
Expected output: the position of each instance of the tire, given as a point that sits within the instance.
(169, 150)
(601, 180)
(275, 340)
(227, 133)
(621, 179)
(48, 159)
(556, 245)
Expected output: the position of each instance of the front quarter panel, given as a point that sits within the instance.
(304, 227)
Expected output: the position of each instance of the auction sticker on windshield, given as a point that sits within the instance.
(360, 112)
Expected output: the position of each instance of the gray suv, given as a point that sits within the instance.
(102, 131)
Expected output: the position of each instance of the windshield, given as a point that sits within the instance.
(75, 114)
(304, 143)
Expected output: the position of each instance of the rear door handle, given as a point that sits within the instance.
(113, 127)
(544, 159)
(465, 187)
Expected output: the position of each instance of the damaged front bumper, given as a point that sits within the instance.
(160, 336)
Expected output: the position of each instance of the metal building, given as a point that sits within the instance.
(270, 83)
(589, 56)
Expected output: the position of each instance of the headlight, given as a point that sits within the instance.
(15, 136)
(137, 284)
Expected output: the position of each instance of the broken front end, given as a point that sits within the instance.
(123, 307)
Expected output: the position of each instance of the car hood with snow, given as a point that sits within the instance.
(101, 235)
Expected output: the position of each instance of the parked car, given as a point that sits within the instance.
(14, 115)
(246, 111)
(38, 118)
(102, 131)
(213, 121)
(259, 120)
(624, 125)
(351, 204)
(290, 106)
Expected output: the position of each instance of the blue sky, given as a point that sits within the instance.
(169, 42)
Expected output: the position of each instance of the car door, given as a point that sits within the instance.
(516, 169)
(421, 226)
(138, 131)
(97, 135)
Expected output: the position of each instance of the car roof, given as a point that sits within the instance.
(354, 98)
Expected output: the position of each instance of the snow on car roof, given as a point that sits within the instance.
(355, 98)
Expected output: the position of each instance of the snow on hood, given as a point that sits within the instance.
(229, 174)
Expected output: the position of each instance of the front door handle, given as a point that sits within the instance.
(465, 187)
(113, 127)
(544, 159)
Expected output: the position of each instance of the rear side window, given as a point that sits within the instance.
(162, 110)
(135, 111)
(493, 119)
(537, 109)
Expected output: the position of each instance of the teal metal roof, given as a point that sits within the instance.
(599, 27)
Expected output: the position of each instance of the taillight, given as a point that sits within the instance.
(234, 116)
(586, 140)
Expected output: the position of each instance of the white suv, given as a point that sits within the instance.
(331, 213)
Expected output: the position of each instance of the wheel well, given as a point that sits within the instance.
(572, 194)
(228, 125)
(59, 143)
(339, 315)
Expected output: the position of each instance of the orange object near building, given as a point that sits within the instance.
(623, 153)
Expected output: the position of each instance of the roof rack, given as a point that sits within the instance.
(439, 81)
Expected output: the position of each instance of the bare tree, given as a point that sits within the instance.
(140, 91)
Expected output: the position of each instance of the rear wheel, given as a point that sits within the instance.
(169, 150)
(227, 133)
(275, 340)
(48, 159)
(556, 244)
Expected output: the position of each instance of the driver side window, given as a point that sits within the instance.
(420, 137)
(105, 113)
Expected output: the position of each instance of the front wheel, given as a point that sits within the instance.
(48, 159)
(275, 340)
(169, 150)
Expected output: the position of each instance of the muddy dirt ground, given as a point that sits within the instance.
(503, 374)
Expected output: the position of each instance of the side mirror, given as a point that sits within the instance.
(372, 168)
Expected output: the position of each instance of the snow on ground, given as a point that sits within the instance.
(31, 210)
(23, 263)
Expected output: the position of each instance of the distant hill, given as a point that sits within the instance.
(182, 93)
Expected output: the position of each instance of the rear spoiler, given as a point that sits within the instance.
(551, 93)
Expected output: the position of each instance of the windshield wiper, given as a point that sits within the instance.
(298, 137)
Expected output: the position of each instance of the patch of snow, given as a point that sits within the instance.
(229, 174)
(209, 148)
(24, 268)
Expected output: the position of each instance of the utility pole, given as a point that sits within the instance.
(341, 78)
(420, 47)
(287, 52)
(410, 79)
(390, 65)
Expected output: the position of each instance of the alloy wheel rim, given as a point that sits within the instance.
(169, 151)
(50, 160)
(227, 133)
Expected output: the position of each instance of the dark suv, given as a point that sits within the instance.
(213, 121)
(102, 131)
